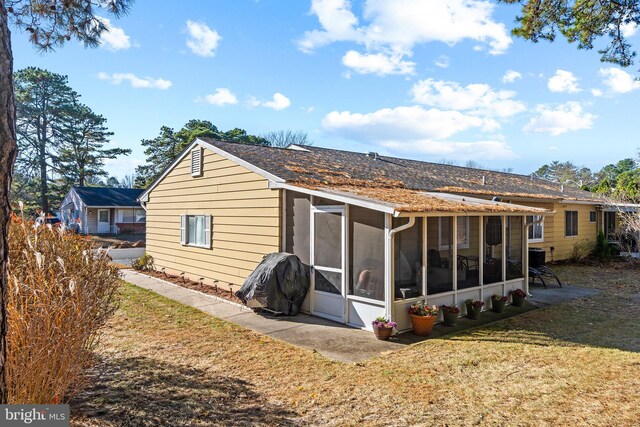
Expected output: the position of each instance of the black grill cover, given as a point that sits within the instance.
(279, 283)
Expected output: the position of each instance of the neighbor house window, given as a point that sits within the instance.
(570, 223)
(592, 216)
(462, 237)
(536, 231)
(195, 230)
(132, 215)
(196, 162)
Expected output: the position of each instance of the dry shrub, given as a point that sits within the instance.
(581, 250)
(60, 293)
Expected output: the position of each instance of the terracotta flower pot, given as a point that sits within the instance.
(382, 333)
(497, 305)
(422, 325)
(517, 300)
(473, 312)
(449, 318)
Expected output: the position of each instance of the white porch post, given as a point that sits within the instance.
(424, 258)
(388, 266)
(525, 254)
(481, 257)
(504, 253)
(454, 258)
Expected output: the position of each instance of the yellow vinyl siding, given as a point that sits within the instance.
(246, 220)
(554, 229)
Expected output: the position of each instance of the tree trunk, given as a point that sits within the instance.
(8, 152)
(44, 185)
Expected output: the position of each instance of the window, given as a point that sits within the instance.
(445, 231)
(592, 216)
(536, 231)
(196, 162)
(132, 215)
(570, 223)
(195, 230)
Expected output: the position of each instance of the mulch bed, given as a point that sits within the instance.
(196, 286)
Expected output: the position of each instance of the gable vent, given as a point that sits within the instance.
(196, 162)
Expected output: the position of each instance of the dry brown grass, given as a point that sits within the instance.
(577, 363)
(59, 295)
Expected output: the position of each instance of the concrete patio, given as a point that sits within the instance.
(333, 340)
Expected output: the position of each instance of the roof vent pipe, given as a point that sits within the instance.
(484, 180)
(373, 154)
(562, 188)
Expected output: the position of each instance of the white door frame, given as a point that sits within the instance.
(342, 270)
(100, 230)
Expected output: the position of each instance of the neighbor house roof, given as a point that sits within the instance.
(108, 196)
(317, 166)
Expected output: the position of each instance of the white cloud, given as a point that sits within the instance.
(629, 29)
(202, 41)
(565, 117)
(442, 61)
(135, 81)
(415, 128)
(596, 92)
(113, 38)
(278, 102)
(618, 81)
(511, 76)
(221, 97)
(563, 81)
(477, 99)
(395, 27)
(377, 63)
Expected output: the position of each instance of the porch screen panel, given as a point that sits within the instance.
(297, 227)
(439, 255)
(493, 241)
(408, 260)
(514, 247)
(366, 253)
(468, 254)
(328, 240)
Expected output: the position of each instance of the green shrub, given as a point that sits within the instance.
(60, 294)
(144, 263)
(603, 250)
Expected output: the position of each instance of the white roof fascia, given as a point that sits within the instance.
(339, 196)
(144, 197)
(474, 201)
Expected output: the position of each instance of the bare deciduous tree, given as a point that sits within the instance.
(284, 138)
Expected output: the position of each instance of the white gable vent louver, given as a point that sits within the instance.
(196, 162)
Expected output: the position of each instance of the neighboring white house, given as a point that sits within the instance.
(103, 210)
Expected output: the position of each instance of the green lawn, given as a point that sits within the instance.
(578, 363)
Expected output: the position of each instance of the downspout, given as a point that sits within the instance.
(389, 257)
(526, 254)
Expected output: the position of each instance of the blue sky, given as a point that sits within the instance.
(422, 79)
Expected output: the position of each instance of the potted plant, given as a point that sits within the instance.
(383, 328)
(450, 314)
(517, 297)
(498, 302)
(422, 318)
(474, 308)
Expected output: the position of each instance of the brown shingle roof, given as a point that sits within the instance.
(322, 167)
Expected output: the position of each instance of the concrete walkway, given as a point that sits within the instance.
(331, 339)
(335, 341)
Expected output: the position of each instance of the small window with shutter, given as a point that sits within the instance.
(196, 162)
(195, 230)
